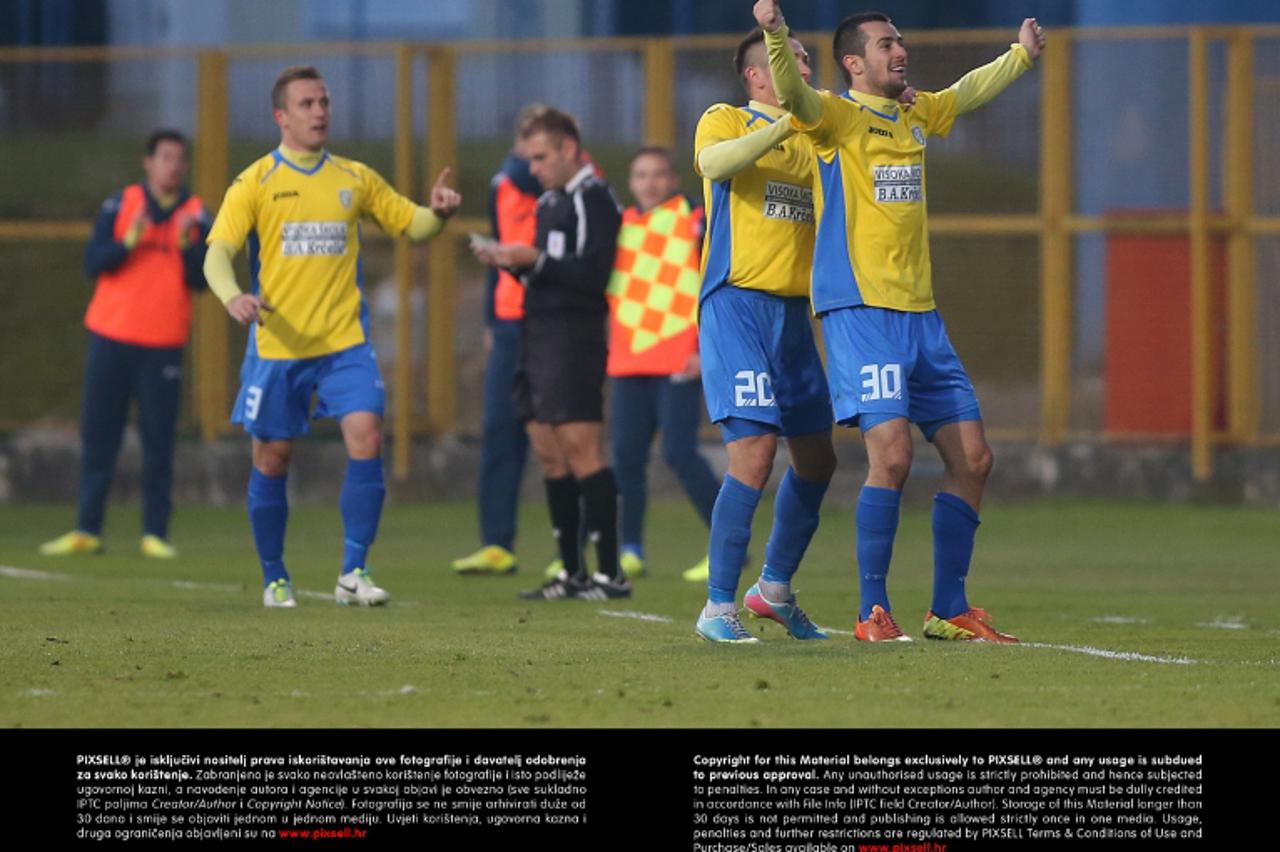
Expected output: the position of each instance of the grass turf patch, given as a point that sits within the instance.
(1133, 615)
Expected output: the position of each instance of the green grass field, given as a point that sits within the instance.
(1131, 615)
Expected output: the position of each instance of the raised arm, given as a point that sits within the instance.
(981, 85)
(793, 92)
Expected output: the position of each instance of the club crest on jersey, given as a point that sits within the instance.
(918, 133)
(344, 196)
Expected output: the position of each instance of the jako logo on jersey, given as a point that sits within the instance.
(788, 201)
(302, 239)
(880, 131)
(753, 389)
(881, 381)
(898, 183)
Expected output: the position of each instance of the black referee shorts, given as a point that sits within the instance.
(561, 374)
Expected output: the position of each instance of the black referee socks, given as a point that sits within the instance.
(600, 513)
(562, 500)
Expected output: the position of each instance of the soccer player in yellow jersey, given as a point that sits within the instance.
(761, 374)
(299, 210)
(888, 355)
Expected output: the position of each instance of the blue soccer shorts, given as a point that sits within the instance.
(760, 364)
(274, 402)
(886, 364)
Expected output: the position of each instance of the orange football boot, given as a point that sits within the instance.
(880, 627)
(972, 626)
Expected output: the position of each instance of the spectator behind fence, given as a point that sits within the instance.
(653, 348)
(513, 202)
(146, 254)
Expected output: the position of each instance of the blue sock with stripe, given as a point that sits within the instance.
(795, 520)
(361, 503)
(730, 535)
(268, 516)
(954, 526)
(877, 522)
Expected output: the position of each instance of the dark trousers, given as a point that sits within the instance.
(115, 374)
(505, 442)
(639, 407)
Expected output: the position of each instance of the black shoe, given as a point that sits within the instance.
(561, 588)
(602, 587)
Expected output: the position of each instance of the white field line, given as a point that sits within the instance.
(1119, 619)
(30, 574)
(1233, 623)
(33, 574)
(209, 587)
(836, 631)
(1130, 656)
(639, 616)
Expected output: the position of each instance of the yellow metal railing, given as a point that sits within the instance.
(1054, 223)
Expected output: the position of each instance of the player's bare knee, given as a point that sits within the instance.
(553, 465)
(365, 446)
(892, 463)
(272, 459)
(751, 459)
(815, 463)
(979, 462)
(586, 460)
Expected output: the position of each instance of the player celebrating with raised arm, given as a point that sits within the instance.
(888, 354)
(299, 208)
(761, 374)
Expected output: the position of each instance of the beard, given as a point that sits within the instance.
(893, 88)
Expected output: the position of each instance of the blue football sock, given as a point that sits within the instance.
(954, 526)
(795, 520)
(877, 521)
(268, 516)
(730, 535)
(361, 505)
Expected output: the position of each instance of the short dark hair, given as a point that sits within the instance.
(744, 47)
(851, 40)
(287, 76)
(656, 151)
(164, 134)
(540, 118)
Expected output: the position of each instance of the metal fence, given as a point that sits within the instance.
(1128, 155)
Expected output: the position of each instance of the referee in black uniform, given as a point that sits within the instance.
(559, 384)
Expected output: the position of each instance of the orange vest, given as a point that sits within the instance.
(653, 292)
(145, 301)
(517, 215)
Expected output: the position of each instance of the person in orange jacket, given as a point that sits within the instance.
(146, 254)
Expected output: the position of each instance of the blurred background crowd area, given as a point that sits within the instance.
(1106, 235)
